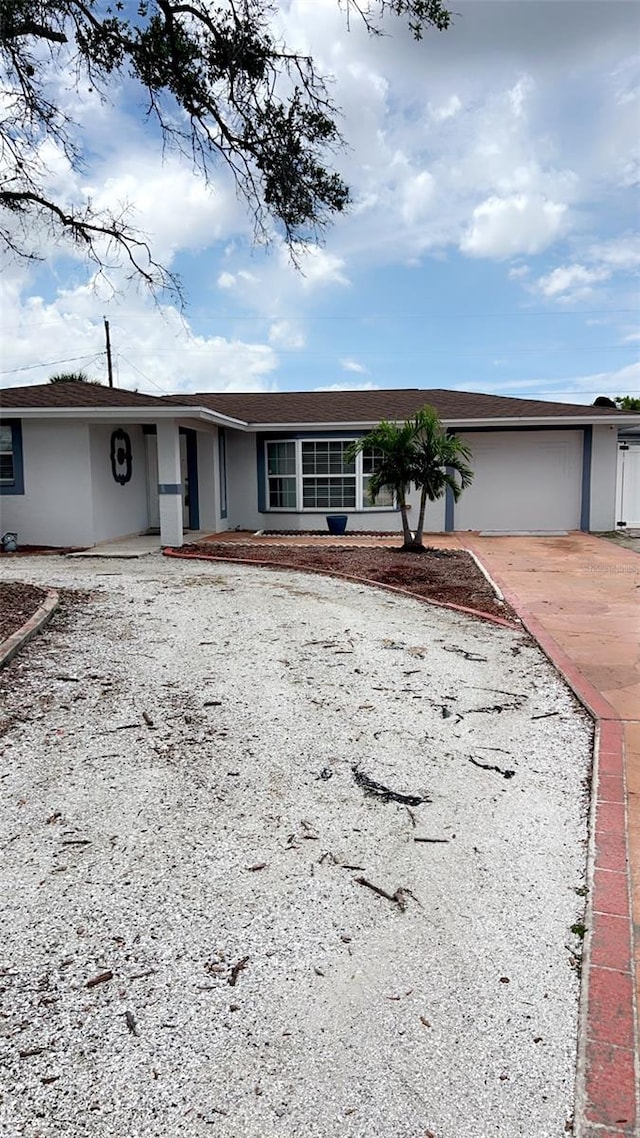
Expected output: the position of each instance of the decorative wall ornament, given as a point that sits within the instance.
(121, 457)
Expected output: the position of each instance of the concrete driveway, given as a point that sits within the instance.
(580, 597)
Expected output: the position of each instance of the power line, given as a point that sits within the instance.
(121, 356)
(52, 363)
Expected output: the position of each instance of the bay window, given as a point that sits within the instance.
(314, 474)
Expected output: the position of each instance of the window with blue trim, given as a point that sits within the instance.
(11, 476)
(314, 474)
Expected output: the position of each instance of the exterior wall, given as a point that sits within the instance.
(117, 510)
(244, 512)
(604, 462)
(242, 483)
(56, 507)
(524, 480)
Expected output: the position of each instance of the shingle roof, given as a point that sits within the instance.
(371, 406)
(73, 395)
(307, 406)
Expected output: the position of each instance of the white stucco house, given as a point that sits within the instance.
(83, 464)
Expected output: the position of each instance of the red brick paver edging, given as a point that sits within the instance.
(35, 624)
(501, 621)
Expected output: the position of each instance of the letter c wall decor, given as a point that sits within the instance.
(121, 457)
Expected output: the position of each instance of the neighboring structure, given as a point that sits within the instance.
(82, 464)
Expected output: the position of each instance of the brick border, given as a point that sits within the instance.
(607, 1103)
(41, 617)
(500, 621)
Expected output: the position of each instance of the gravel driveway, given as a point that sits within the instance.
(192, 945)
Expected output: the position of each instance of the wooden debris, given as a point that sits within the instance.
(131, 1022)
(147, 718)
(256, 867)
(27, 1054)
(384, 793)
(101, 978)
(490, 767)
(237, 969)
(433, 841)
(397, 898)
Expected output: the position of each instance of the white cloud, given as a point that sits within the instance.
(318, 266)
(518, 272)
(283, 334)
(504, 227)
(620, 253)
(226, 280)
(446, 110)
(154, 349)
(349, 387)
(575, 280)
(353, 365)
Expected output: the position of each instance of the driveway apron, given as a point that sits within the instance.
(580, 597)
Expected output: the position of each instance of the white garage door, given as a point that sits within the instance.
(526, 480)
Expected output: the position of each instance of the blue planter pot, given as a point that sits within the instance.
(337, 523)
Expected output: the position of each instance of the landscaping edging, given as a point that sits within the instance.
(606, 1096)
(500, 621)
(30, 628)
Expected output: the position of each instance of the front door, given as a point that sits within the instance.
(184, 478)
(152, 482)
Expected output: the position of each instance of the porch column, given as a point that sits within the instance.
(169, 483)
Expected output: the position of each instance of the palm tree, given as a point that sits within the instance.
(418, 451)
(72, 377)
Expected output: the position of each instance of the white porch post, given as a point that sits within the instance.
(169, 483)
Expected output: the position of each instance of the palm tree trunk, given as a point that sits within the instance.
(406, 532)
(417, 537)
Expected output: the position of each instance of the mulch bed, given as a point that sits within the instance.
(18, 602)
(446, 575)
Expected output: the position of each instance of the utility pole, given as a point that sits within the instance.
(109, 363)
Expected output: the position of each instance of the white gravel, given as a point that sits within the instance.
(454, 1018)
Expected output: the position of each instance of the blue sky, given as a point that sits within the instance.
(493, 243)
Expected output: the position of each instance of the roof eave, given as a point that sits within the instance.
(460, 423)
(124, 414)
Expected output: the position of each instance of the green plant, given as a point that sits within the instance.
(421, 452)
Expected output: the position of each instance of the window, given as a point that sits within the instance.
(7, 462)
(313, 474)
(328, 480)
(384, 500)
(281, 475)
(11, 474)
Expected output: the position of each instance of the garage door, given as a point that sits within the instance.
(527, 480)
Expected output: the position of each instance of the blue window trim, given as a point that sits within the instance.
(222, 471)
(17, 486)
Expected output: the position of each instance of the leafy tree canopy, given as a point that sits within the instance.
(628, 402)
(216, 80)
